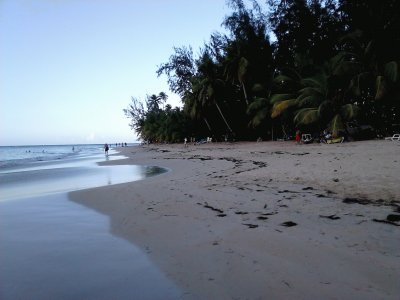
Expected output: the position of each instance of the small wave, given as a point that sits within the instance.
(22, 156)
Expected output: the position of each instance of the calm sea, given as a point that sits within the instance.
(53, 248)
(20, 156)
(27, 171)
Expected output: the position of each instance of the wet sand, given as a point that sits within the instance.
(52, 248)
(264, 220)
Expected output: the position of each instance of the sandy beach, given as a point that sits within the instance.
(268, 220)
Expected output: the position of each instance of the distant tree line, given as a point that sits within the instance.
(330, 62)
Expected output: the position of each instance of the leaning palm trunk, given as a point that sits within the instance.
(245, 93)
(222, 115)
(208, 125)
(242, 71)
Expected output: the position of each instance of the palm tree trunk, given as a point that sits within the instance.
(272, 129)
(222, 115)
(208, 125)
(245, 94)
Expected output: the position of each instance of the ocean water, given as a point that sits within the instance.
(17, 156)
(53, 248)
(30, 171)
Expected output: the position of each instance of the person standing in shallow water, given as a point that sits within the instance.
(106, 149)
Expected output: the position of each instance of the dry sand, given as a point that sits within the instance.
(219, 223)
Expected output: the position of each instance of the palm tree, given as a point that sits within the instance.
(153, 102)
(195, 109)
(207, 86)
(237, 69)
(324, 98)
(376, 83)
(163, 98)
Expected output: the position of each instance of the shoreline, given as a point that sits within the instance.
(53, 248)
(263, 220)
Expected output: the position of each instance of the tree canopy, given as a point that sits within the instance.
(282, 65)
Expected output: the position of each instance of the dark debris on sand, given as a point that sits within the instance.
(289, 224)
(331, 217)
(251, 225)
(386, 222)
(356, 201)
(206, 205)
(391, 219)
(378, 202)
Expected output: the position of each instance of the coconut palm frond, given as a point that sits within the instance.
(280, 107)
(302, 60)
(352, 36)
(310, 101)
(325, 108)
(392, 71)
(279, 79)
(311, 91)
(210, 91)
(257, 88)
(280, 97)
(316, 82)
(337, 59)
(342, 64)
(369, 49)
(307, 91)
(336, 125)
(259, 117)
(348, 111)
(357, 81)
(380, 88)
(346, 67)
(257, 104)
(306, 116)
(202, 96)
(292, 73)
(259, 109)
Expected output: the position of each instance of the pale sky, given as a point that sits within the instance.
(69, 67)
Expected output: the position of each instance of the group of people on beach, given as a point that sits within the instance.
(107, 147)
(194, 142)
(325, 137)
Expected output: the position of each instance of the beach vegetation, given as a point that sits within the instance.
(154, 123)
(280, 66)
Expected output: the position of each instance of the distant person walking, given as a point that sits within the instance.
(106, 149)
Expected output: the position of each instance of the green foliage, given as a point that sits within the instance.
(330, 62)
(179, 70)
(392, 71)
(380, 87)
(259, 111)
(306, 116)
(336, 125)
(281, 106)
(348, 111)
(155, 124)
